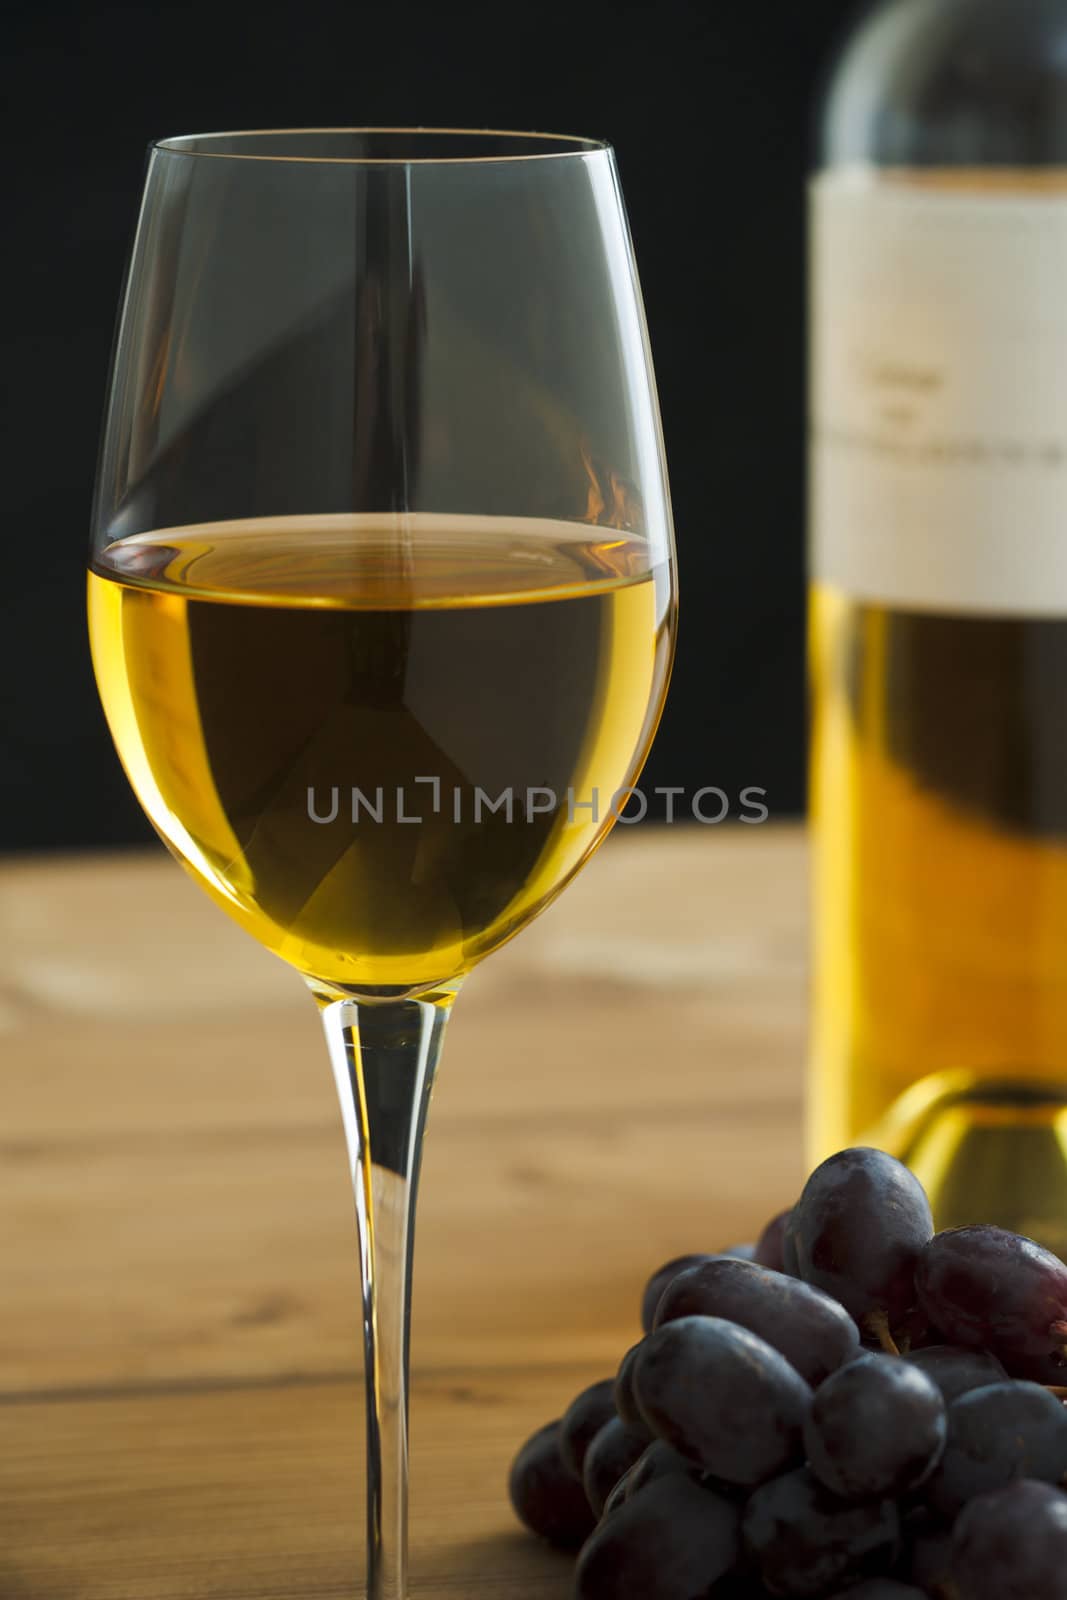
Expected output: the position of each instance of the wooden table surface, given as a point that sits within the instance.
(180, 1416)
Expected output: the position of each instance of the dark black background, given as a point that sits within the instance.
(709, 105)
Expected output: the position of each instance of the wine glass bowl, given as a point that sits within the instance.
(382, 589)
(384, 749)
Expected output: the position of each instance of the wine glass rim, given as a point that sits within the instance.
(191, 144)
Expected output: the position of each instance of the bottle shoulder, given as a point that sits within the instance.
(950, 83)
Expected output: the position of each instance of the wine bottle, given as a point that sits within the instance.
(938, 622)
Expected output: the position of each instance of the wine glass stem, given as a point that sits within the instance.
(384, 1056)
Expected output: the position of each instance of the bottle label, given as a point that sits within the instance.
(939, 391)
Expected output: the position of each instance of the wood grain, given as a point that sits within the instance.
(179, 1340)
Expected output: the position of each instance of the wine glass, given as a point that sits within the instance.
(381, 592)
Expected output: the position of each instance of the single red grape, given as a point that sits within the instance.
(771, 1242)
(722, 1397)
(805, 1541)
(859, 1227)
(673, 1541)
(583, 1420)
(995, 1290)
(1012, 1545)
(546, 1497)
(611, 1454)
(814, 1333)
(877, 1427)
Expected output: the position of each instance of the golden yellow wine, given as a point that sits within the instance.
(382, 743)
(938, 642)
(939, 789)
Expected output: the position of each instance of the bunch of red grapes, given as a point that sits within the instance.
(855, 1406)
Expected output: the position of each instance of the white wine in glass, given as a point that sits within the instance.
(382, 592)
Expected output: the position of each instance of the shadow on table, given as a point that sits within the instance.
(511, 1564)
(17, 1584)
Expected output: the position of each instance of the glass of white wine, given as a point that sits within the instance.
(381, 592)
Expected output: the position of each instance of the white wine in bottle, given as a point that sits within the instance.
(938, 639)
